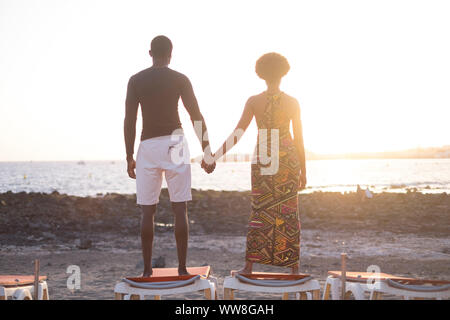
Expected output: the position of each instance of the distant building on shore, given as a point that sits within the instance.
(233, 157)
(443, 154)
(417, 153)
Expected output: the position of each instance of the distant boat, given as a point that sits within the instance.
(81, 162)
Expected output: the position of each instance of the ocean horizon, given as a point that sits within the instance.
(90, 178)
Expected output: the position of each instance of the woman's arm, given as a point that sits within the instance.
(298, 141)
(238, 132)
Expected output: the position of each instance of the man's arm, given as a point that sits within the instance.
(129, 126)
(191, 105)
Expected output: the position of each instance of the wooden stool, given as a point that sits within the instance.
(131, 290)
(382, 283)
(309, 289)
(19, 287)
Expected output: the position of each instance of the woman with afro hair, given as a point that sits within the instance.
(278, 170)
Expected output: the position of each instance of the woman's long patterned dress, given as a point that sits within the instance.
(274, 225)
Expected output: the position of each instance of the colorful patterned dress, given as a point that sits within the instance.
(274, 225)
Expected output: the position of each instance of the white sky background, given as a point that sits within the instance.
(369, 75)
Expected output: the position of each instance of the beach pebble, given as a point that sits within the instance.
(83, 244)
(49, 235)
(159, 262)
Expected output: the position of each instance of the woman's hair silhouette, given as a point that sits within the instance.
(272, 66)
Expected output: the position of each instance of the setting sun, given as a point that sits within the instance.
(365, 82)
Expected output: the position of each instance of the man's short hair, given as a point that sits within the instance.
(161, 47)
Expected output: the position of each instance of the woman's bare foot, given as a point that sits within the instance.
(247, 269)
(241, 271)
(182, 271)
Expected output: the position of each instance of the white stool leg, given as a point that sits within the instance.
(375, 295)
(22, 294)
(326, 289)
(43, 289)
(3, 294)
(332, 289)
(356, 290)
(213, 290)
(335, 288)
(216, 286)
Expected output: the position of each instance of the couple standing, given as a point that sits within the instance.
(277, 171)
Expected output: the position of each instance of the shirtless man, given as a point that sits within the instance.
(163, 147)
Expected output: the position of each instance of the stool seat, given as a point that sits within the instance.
(272, 283)
(135, 288)
(376, 284)
(18, 280)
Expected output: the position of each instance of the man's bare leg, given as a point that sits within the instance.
(181, 234)
(247, 269)
(147, 231)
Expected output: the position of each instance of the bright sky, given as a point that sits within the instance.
(369, 75)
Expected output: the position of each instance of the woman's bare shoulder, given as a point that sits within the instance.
(291, 104)
(255, 100)
(291, 100)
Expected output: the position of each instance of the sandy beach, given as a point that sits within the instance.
(403, 233)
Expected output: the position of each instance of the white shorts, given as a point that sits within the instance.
(168, 154)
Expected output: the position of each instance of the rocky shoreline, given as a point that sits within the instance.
(403, 233)
(29, 217)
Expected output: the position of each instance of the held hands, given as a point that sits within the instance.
(208, 162)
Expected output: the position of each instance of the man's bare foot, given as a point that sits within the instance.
(182, 271)
(147, 274)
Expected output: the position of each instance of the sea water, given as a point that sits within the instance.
(101, 177)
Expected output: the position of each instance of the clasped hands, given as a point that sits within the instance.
(208, 162)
